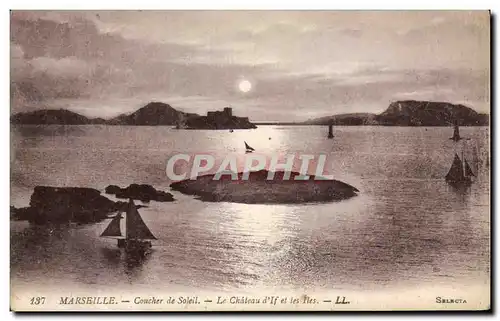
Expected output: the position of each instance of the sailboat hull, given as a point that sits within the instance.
(137, 233)
(121, 243)
(466, 181)
(132, 246)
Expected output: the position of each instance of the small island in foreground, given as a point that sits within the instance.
(82, 205)
(259, 190)
(50, 204)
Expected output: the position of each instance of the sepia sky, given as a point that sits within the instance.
(301, 64)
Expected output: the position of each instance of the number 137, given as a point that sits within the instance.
(37, 300)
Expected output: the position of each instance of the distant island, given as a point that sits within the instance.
(410, 113)
(399, 113)
(53, 117)
(153, 114)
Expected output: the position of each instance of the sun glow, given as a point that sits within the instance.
(245, 86)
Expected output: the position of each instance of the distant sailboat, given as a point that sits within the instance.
(460, 172)
(248, 148)
(136, 231)
(456, 133)
(330, 130)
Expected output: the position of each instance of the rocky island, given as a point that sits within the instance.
(66, 204)
(53, 117)
(81, 205)
(410, 113)
(144, 193)
(259, 190)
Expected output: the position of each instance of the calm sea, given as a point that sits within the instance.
(406, 228)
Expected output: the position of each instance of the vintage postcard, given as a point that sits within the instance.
(250, 160)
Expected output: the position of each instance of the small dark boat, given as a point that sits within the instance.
(456, 133)
(231, 130)
(460, 172)
(248, 148)
(137, 234)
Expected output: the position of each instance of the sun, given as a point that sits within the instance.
(245, 86)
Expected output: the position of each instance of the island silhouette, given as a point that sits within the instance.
(399, 113)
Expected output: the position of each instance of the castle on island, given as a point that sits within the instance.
(220, 119)
(223, 116)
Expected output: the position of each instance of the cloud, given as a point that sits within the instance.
(67, 67)
(298, 62)
(36, 80)
(51, 59)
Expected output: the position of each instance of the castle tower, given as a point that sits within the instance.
(228, 112)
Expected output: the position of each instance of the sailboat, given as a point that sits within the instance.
(460, 172)
(330, 130)
(137, 234)
(456, 133)
(248, 148)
